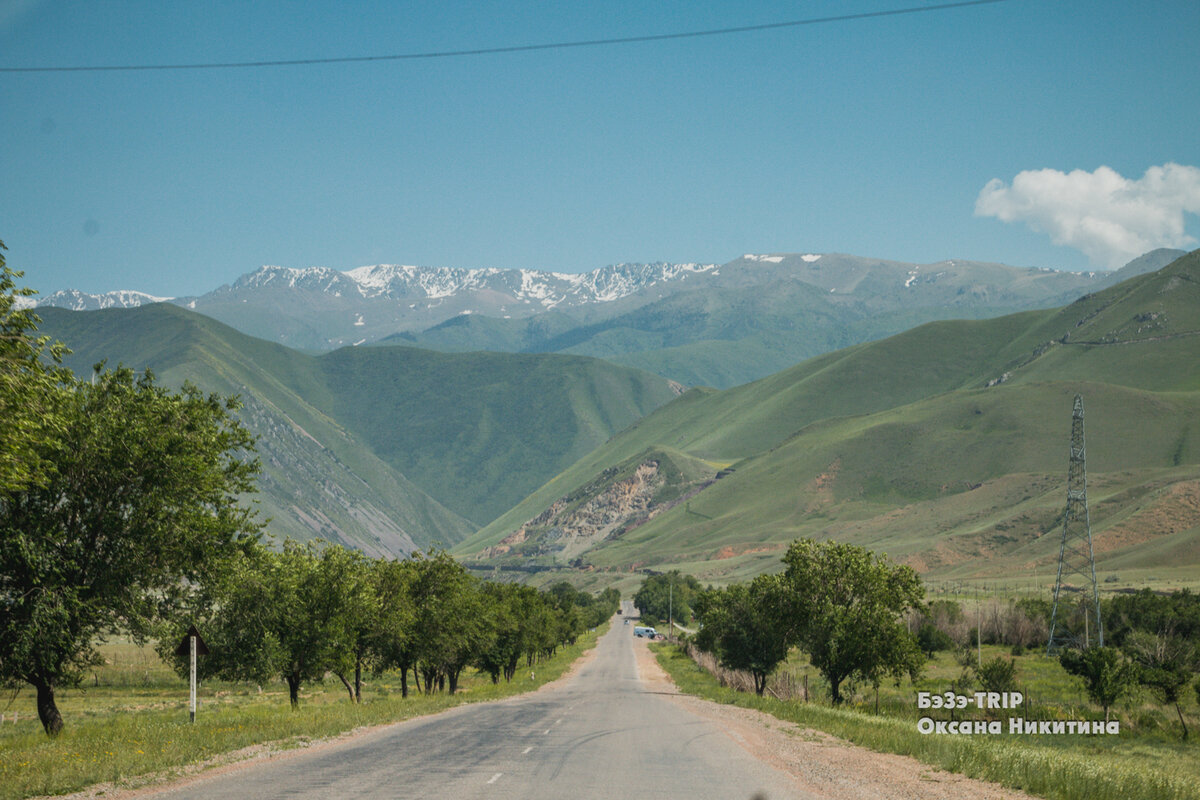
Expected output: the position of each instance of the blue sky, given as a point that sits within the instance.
(874, 137)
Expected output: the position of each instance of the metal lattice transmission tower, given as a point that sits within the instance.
(1075, 618)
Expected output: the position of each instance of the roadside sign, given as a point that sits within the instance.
(191, 646)
(185, 645)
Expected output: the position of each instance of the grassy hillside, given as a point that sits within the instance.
(384, 447)
(956, 485)
(469, 332)
(479, 430)
(945, 446)
(318, 478)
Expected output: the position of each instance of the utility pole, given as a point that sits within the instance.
(671, 607)
(1076, 556)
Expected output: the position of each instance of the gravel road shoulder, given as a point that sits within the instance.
(823, 765)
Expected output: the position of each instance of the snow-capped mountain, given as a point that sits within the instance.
(82, 301)
(321, 308)
(648, 306)
(402, 282)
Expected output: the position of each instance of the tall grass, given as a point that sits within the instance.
(1012, 760)
(136, 736)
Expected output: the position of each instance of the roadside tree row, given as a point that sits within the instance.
(841, 604)
(120, 512)
(315, 609)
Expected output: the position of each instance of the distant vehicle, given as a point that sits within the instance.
(643, 632)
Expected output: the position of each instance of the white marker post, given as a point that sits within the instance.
(192, 707)
(191, 646)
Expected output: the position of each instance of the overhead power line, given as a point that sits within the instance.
(512, 49)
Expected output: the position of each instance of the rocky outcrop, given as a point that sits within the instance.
(596, 518)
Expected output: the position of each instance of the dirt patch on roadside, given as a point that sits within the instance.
(823, 765)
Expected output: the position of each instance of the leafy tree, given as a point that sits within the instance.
(505, 646)
(666, 595)
(1147, 611)
(538, 627)
(139, 503)
(394, 635)
(30, 388)
(350, 585)
(997, 675)
(846, 605)
(237, 615)
(745, 625)
(610, 601)
(289, 614)
(1035, 608)
(592, 610)
(944, 612)
(931, 639)
(568, 625)
(1106, 675)
(450, 619)
(1166, 664)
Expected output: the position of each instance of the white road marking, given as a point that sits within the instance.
(495, 777)
(545, 731)
(557, 720)
(526, 750)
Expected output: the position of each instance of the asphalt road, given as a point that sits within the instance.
(600, 735)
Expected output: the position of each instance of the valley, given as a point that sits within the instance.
(942, 445)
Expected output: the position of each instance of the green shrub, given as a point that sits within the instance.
(932, 639)
(998, 675)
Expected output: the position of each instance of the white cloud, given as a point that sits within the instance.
(1108, 217)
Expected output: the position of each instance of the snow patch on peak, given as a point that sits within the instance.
(82, 301)
(375, 279)
(810, 257)
(545, 288)
(318, 278)
(770, 259)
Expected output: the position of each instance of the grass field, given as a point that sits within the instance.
(127, 724)
(1146, 761)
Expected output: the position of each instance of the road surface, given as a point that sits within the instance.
(600, 734)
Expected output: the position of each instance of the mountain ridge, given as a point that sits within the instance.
(936, 445)
(622, 311)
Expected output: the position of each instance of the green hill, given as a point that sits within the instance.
(479, 430)
(385, 448)
(318, 478)
(945, 445)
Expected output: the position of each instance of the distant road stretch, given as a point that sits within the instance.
(601, 734)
